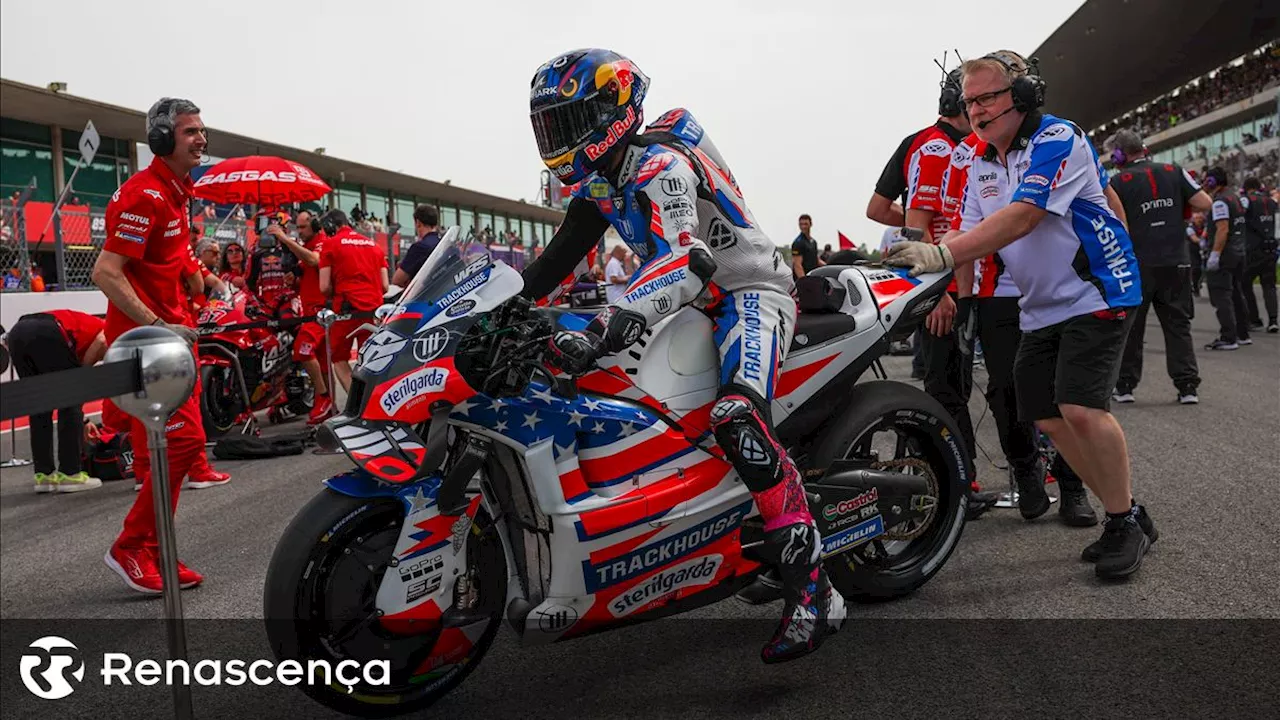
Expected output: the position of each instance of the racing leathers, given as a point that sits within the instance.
(672, 199)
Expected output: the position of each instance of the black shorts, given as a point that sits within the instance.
(1075, 362)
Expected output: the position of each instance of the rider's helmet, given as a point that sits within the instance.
(584, 105)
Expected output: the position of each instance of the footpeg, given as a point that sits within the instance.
(766, 588)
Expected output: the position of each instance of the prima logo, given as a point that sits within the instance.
(46, 666)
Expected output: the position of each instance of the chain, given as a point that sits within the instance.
(929, 503)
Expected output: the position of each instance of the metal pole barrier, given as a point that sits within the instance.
(168, 370)
(325, 317)
(14, 460)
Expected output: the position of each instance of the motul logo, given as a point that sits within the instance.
(616, 131)
(238, 175)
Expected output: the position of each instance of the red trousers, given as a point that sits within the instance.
(185, 434)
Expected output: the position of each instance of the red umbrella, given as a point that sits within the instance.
(260, 180)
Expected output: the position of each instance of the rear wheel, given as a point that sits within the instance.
(903, 430)
(220, 402)
(320, 595)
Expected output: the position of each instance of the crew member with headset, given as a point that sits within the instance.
(1157, 197)
(996, 325)
(1036, 195)
(1260, 253)
(353, 273)
(917, 174)
(1224, 270)
(141, 271)
(308, 345)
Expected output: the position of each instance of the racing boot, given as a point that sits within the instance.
(1029, 476)
(814, 609)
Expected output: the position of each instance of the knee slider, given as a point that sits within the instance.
(746, 441)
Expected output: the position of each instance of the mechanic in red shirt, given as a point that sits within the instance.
(141, 270)
(353, 272)
(308, 345)
(54, 341)
(917, 173)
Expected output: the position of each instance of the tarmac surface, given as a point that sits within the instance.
(1208, 474)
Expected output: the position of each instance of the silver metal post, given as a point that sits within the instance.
(326, 317)
(168, 374)
(175, 626)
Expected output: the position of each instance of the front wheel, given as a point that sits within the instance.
(905, 430)
(220, 402)
(320, 594)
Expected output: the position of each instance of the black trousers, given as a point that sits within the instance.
(38, 346)
(948, 378)
(1265, 271)
(999, 333)
(1168, 290)
(1226, 292)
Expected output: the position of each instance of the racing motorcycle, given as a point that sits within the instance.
(243, 371)
(485, 487)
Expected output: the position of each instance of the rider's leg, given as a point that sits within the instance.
(753, 331)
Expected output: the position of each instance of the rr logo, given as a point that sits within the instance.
(45, 670)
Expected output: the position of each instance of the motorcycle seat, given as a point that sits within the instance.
(813, 329)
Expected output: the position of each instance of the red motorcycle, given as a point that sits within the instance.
(243, 371)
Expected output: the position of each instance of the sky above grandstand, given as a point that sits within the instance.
(807, 99)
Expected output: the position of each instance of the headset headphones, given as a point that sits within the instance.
(1026, 89)
(333, 221)
(314, 216)
(949, 104)
(160, 135)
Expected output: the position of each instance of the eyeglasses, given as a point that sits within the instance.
(985, 99)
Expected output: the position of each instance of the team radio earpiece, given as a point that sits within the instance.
(1026, 89)
(949, 104)
(160, 135)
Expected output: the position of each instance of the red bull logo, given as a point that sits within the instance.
(617, 131)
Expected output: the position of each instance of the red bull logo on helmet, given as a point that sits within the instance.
(617, 131)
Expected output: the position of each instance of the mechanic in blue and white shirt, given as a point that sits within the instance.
(1035, 193)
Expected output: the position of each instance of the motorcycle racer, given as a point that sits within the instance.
(671, 197)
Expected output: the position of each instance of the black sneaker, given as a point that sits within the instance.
(1074, 509)
(1255, 324)
(1033, 501)
(814, 609)
(1094, 550)
(978, 503)
(1273, 327)
(1123, 546)
(1221, 344)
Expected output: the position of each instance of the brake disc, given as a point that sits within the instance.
(927, 504)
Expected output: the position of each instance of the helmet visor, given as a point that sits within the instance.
(562, 127)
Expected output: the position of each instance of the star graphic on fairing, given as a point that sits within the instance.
(531, 421)
(561, 451)
(500, 426)
(419, 502)
(627, 429)
(592, 404)
(598, 429)
(465, 406)
(576, 418)
(544, 395)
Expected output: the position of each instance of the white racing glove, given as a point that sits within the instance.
(1215, 261)
(920, 257)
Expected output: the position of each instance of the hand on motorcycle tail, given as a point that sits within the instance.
(921, 257)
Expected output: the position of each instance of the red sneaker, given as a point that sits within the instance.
(213, 479)
(322, 409)
(188, 578)
(137, 567)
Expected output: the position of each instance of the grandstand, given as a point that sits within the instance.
(39, 137)
(1198, 79)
